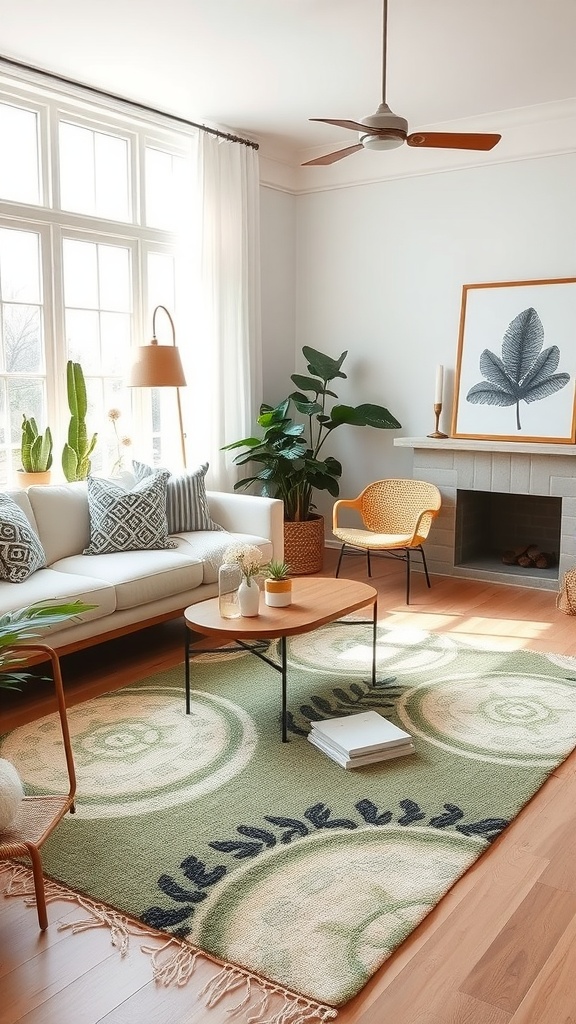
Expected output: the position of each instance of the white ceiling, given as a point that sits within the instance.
(263, 67)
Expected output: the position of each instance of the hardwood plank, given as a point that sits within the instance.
(550, 999)
(509, 966)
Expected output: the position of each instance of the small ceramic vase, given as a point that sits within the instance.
(249, 597)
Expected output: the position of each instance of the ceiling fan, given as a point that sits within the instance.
(385, 130)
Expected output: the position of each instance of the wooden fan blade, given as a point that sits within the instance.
(453, 140)
(355, 126)
(331, 158)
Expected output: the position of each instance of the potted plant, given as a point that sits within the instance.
(288, 455)
(277, 584)
(35, 454)
(26, 624)
(78, 449)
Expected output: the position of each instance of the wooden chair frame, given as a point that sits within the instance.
(39, 815)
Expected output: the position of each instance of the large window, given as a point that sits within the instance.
(93, 222)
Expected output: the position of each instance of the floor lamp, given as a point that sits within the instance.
(160, 366)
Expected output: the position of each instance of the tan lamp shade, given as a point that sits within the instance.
(157, 366)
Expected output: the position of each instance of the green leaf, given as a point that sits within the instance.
(363, 416)
(323, 366)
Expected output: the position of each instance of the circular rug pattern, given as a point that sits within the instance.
(369, 889)
(137, 752)
(344, 647)
(503, 718)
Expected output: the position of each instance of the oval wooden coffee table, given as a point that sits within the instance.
(315, 602)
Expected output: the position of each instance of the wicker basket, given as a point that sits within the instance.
(304, 546)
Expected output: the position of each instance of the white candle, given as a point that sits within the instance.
(439, 385)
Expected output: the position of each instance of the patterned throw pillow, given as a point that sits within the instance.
(186, 501)
(21, 552)
(122, 520)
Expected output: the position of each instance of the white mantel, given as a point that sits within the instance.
(508, 467)
(472, 445)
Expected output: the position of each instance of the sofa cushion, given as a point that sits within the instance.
(21, 552)
(122, 520)
(46, 585)
(186, 501)
(139, 577)
(61, 511)
(211, 547)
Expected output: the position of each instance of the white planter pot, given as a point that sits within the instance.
(249, 597)
(278, 593)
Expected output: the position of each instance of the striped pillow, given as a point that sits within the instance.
(186, 501)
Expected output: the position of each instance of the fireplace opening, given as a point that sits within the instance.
(490, 525)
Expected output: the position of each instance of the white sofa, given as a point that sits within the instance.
(130, 589)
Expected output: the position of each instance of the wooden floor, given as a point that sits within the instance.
(500, 948)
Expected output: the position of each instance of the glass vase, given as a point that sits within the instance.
(229, 580)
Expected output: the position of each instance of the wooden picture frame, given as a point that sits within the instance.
(516, 362)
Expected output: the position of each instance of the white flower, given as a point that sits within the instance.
(247, 556)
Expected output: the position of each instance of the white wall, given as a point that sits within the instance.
(380, 269)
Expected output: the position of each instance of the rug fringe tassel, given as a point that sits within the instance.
(178, 967)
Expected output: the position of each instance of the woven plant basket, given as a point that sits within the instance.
(304, 546)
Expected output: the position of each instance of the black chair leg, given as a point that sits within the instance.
(340, 560)
(425, 566)
(407, 575)
(369, 567)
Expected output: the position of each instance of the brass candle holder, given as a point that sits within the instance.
(437, 411)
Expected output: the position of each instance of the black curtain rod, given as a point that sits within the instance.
(122, 99)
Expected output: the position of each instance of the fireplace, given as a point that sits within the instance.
(487, 481)
(492, 527)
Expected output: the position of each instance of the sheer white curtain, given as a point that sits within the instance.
(222, 355)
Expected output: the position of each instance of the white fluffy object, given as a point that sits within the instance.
(11, 793)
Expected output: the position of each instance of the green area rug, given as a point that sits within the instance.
(269, 855)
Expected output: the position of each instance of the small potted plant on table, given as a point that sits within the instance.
(277, 584)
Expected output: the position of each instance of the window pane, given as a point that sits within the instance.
(111, 174)
(115, 331)
(161, 281)
(114, 274)
(77, 186)
(165, 189)
(25, 396)
(83, 338)
(94, 172)
(19, 175)
(23, 348)
(80, 273)
(19, 265)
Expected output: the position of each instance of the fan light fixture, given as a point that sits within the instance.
(160, 366)
(381, 141)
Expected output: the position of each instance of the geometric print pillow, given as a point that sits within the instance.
(186, 501)
(21, 552)
(122, 520)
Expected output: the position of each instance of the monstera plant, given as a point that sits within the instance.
(288, 454)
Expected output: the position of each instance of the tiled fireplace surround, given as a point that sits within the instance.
(520, 468)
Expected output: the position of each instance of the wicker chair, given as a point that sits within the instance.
(396, 516)
(39, 815)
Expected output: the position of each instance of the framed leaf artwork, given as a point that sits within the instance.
(516, 363)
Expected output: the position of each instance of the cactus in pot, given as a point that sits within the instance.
(35, 449)
(78, 449)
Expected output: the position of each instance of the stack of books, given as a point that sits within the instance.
(356, 740)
